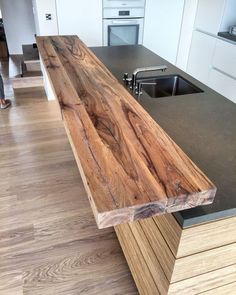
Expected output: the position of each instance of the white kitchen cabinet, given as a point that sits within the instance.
(200, 57)
(215, 16)
(224, 57)
(82, 18)
(213, 62)
(209, 15)
(223, 84)
(162, 27)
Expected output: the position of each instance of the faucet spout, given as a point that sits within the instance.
(145, 69)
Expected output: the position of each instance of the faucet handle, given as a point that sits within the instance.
(126, 79)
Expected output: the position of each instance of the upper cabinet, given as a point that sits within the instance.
(82, 18)
(162, 27)
(214, 16)
(209, 15)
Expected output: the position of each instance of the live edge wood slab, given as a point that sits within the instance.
(130, 167)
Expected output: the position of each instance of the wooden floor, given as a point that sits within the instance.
(49, 242)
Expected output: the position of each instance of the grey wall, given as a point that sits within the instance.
(19, 23)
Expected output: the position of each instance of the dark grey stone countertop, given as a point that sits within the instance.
(202, 124)
(227, 36)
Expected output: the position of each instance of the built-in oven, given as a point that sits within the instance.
(122, 32)
(123, 22)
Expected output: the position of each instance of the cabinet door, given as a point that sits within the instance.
(225, 57)
(82, 18)
(162, 27)
(223, 84)
(209, 15)
(200, 56)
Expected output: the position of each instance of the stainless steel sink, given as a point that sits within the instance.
(170, 85)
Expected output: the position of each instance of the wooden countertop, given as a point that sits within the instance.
(130, 167)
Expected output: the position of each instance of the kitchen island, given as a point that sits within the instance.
(192, 251)
(166, 257)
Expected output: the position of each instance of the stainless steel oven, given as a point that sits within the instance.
(123, 22)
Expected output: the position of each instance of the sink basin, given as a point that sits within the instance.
(170, 85)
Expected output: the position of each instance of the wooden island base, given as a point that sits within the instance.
(166, 259)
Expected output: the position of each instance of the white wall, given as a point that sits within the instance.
(82, 18)
(190, 8)
(163, 20)
(41, 8)
(19, 23)
(45, 27)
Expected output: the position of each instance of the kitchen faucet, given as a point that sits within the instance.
(145, 69)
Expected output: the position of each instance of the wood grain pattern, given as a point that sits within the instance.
(157, 267)
(224, 290)
(130, 167)
(212, 235)
(49, 240)
(211, 281)
(204, 262)
(137, 264)
(183, 242)
(170, 230)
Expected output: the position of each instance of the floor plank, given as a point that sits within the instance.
(11, 283)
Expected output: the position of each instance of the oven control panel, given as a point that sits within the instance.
(124, 13)
(123, 3)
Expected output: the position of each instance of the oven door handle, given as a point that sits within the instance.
(124, 22)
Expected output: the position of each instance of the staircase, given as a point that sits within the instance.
(31, 75)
